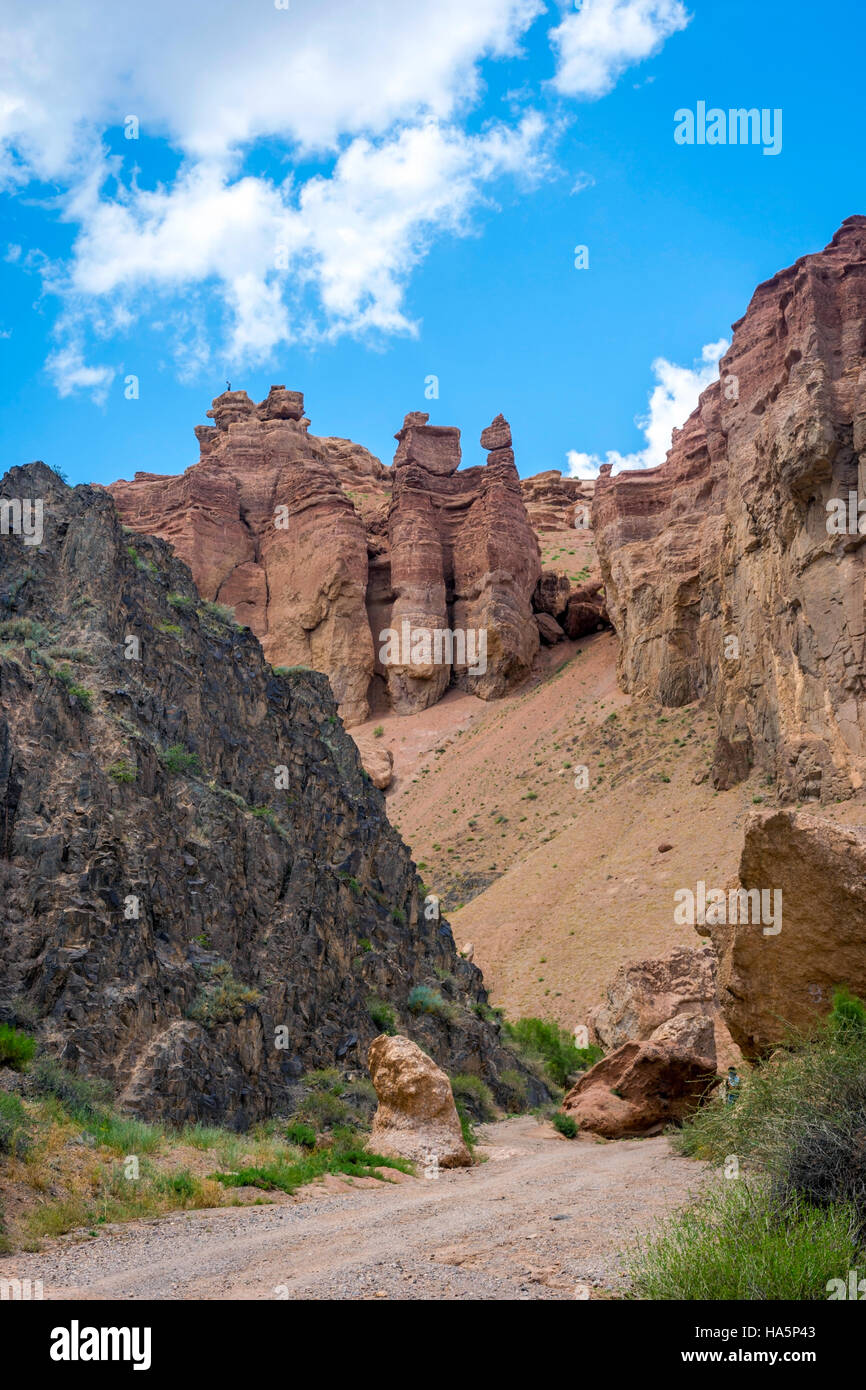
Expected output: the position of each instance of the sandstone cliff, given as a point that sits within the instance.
(722, 580)
(321, 550)
(200, 893)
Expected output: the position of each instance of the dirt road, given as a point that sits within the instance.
(540, 1218)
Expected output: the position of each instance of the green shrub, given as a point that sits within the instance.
(543, 1042)
(79, 692)
(223, 998)
(345, 1156)
(848, 1014)
(565, 1125)
(178, 759)
(383, 1016)
(736, 1245)
(300, 1134)
(15, 1130)
(517, 1086)
(16, 1048)
(83, 1096)
(171, 628)
(475, 1095)
(123, 770)
(378, 731)
(182, 602)
(423, 1000)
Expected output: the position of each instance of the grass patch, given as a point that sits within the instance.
(224, 998)
(475, 1095)
(344, 1157)
(550, 1049)
(176, 758)
(16, 1048)
(565, 1125)
(123, 770)
(737, 1245)
(383, 1016)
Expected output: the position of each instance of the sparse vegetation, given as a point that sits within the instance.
(176, 758)
(383, 1016)
(122, 770)
(424, 1000)
(550, 1049)
(16, 1048)
(565, 1125)
(223, 998)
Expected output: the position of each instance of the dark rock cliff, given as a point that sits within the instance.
(200, 892)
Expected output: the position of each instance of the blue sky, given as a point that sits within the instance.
(349, 198)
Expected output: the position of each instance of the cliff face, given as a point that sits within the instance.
(200, 892)
(321, 550)
(722, 578)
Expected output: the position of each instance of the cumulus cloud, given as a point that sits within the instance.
(70, 373)
(671, 402)
(378, 94)
(595, 44)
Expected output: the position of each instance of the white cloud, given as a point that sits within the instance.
(70, 374)
(596, 43)
(213, 76)
(671, 402)
(377, 91)
(353, 236)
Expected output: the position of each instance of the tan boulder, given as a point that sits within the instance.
(643, 1086)
(378, 763)
(416, 1118)
(772, 981)
(646, 993)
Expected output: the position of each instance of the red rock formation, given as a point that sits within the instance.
(303, 538)
(463, 560)
(721, 578)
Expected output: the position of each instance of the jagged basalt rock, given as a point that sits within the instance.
(173, 815)
(722, 580)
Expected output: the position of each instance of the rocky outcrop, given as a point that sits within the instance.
(322, 551)
(200, 891)
(463, 565)
(643, 1086)
(773, 981)
(266, 524)
(722, 579)
(555, 503)
(416, 1117)
(647, 993)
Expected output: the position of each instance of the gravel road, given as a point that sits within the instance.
(542, 1218)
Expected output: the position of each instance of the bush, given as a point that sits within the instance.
(565, 1125)
(223, 998)
(475, 1095)
(423, 1000)
(178, 759)
(551, 1048)
(79, 692)
(16, 1049)
(181, 602)
(517, 1087)
(14, 1126)
(383, 1016)
(300, 1134)
(123, 770)
(82, 1096)
(737, 1245)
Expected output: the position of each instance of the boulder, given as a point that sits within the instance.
(548, 629)
(416, 1117)
(646, 993)
(378, 763)
(772, 982)
(643, 1086)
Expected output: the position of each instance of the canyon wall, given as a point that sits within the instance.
(722, 578)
